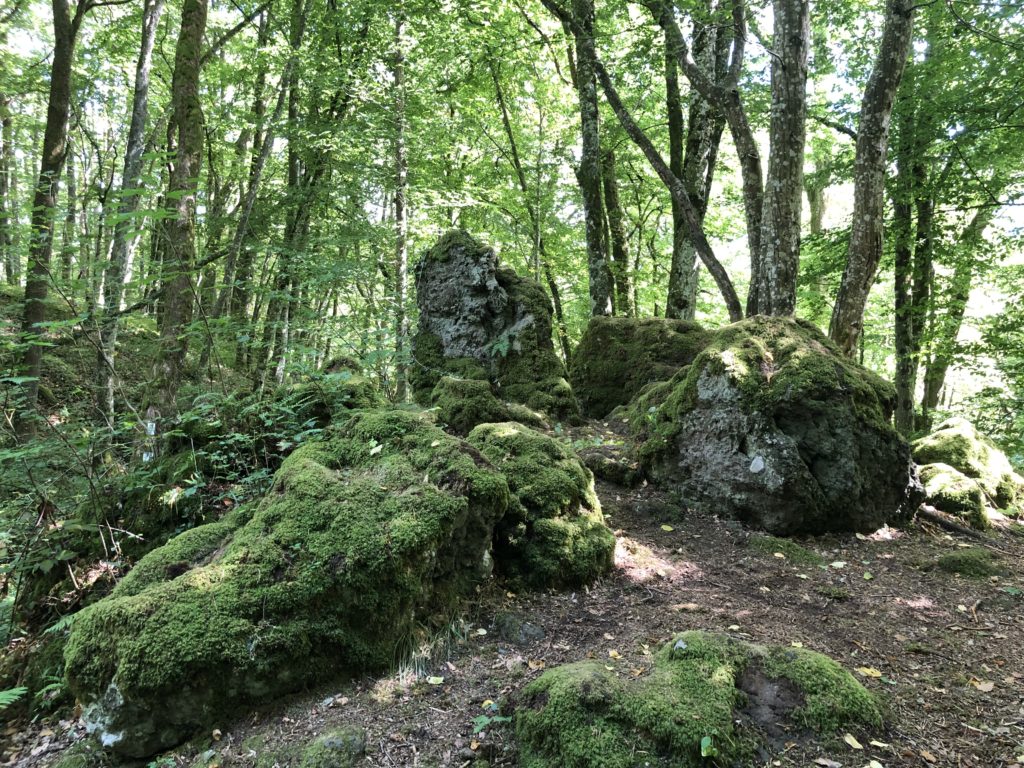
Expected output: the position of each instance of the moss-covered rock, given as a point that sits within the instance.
(973, 562)
(618, 356)
(481, 321)
(554, 534)
(773, 425)
(464, 403)
(321, 398)
(367, 535)
(955, 493)
(340, 748)
(583, 715)
(958, 444)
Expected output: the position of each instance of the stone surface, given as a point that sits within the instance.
(479, 320)
(957, 443)
(366, 538)
(618, 356)
(553, 534)
(703, 691)
(772, 425)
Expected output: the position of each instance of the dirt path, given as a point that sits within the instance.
(945, 652)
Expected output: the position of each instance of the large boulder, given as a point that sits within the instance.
(958, 444)
(478, 320)
(774, 426)
(618, 356)
(366, 538)
(705, 696)
(554, 534)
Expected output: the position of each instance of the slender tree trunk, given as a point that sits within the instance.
(869, 172)
(8, 219)
(588, 173)
(622, 273)
(783, 198)
(903, 247)
(44, 204)
(67, 245)
(180, 247)
(401, 214)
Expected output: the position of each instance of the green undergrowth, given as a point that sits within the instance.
(794, 553)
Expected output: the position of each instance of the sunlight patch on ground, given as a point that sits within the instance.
(641, 564)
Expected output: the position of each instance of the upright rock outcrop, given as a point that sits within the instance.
(618, 356)
(772, 425)
(479, 320)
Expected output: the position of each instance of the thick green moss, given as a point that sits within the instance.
(954, 492)
(321, 398)
(974, 562)
(584, 715)
(958, 444)
(554, 533)
(430, 366)
(464, 403)
(340, 748)
(618, 356)
(365, 537)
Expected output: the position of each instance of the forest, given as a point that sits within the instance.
(540, 383)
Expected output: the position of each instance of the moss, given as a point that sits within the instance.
(833, 699)
(958, 444)
(365, 537)
(794, 553)
(455, 239)
(584, 715)
(953, 492)
(464, 403)
(323, 397)
(339, 748)
(430, 365)
(974, 562)
(618, 356)
(554, 533)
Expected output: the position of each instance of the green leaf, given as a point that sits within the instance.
(708, 748)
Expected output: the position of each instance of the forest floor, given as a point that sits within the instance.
(944, 652)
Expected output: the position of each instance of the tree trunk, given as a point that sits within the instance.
(401, 215)
(67, 235)
(8, 219)
(588, 174)
(869, 173)
(622, 273)
(779, 258)
(44, 204)
(903, 247)
(180, 247)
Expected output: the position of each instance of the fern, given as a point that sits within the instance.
(11, 695)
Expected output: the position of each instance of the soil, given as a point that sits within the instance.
(945, 653)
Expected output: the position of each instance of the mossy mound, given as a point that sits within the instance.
(774, 426)
(954, 492)
(366, 536)
(464, 403)
(340, 748)
(618, 356)
(554, 534)
(321, 398)
(583, 715)
(973, 562)
(958, 444)
(481, 321)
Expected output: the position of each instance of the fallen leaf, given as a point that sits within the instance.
(609, 667)
(868, 672)
(481, 631)
(614, 654)
(852, 741)
(879, 744)
(826, 763)
(797, 644)
(216, 734)
(486, 704)
(985, 686)
(875, 764)
(435, 680)
(609, 636)
(667, 528)
(779, 555)
(838, 564)
(734, 627)
(929, 756)
(535, 663)
(868, 576)
(685, 607)
(435, 444)
(474, 745)
(376, 449)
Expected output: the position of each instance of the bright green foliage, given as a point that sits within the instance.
(464, 403)
(974, 562)
(321, 398)
(365, 537)
(618, 356)
(340, 748)
(795, 554)
(958, 444)
(583, 715)
(554, 533)
(954, 492)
